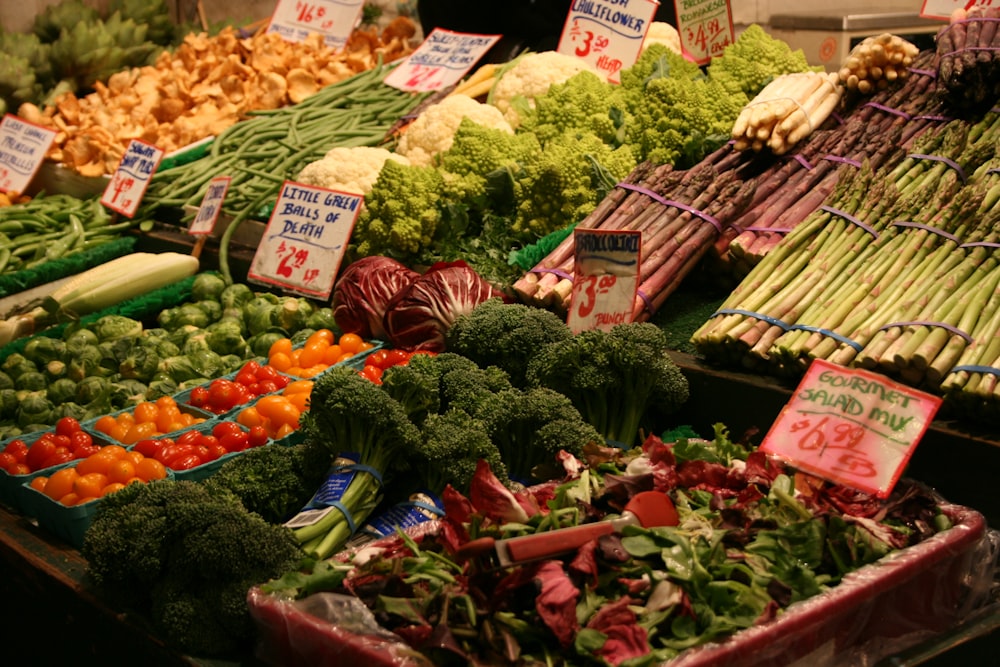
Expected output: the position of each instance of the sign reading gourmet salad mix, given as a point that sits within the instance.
(22, 149)
(607, 34)
(441, 60)
(606, 280)
(851, 426)
(305, 238)
(295, 20)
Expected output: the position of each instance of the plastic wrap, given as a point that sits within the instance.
(906, 598)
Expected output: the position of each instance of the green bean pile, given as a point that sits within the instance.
(50, 227)
(260, 153)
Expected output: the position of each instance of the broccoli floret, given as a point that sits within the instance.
(349, 413)
(750, 62)
(619, 380)
(451, 445)
(531, 426)
(401, 213)
(171, 547)
(273, 482)
(582, 102)
(561, 184)
(435, 383)
(505, 335)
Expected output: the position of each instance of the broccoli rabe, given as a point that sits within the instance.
(274, 482)
(620, 380)
(182, 554)
(750, 62)
(531, 426)
(505, 335)
(451, 445)
(401, 213)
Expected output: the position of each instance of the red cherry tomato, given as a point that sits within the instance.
(377, 359)
(17, 447)
(396, 357)
(215, 451)
(373, 373)
(185, 462)
(199, 397)
(225, 428)
(67, 426)
(148, 447)
(257, 437)
(234, 442)
(41, 450)
(7, 461)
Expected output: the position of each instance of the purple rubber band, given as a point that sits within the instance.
(970, 48)
(924, 323)
(555, 272)
(850, 218)
(926, 72)
(845, 160)
(993, 170)
(927, 228)
(776, 230)
(837, 117)
(951, 163)
(980, 244)
(882, 107)
(943, 119)
(676, 204)
(648, 304)
(801, 160)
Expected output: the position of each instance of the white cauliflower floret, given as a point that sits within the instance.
(661, 32)
(530, 76)
(349, 169)
(434, 129)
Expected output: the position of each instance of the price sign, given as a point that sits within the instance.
(851, 426)
(441, 60)
(305, 238)
(606, 278)
(334, 19)
(129, 182)
(705, 27)
(607, 34)
(211, 206)
(22, 148)
(942, 9)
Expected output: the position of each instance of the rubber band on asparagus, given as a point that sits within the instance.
(929, 323)
(951, 163)
(928, 228)
(773, 321)
(849, 218)
(888, 109)
(829, 333)
(675, 204)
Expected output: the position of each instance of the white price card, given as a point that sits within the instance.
(23, 146)
(334, 19)
(607, 34)
(851, 426)
(211, 206)
(942, 9)
(305, 238)
(441, 60)
(705, 27)
(128, 184)
(605, 280)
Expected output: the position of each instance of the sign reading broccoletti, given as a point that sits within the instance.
(851, 426)
(305, 238)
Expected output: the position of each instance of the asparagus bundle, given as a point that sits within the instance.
(968, 50)
(876, 62)
(786, 111)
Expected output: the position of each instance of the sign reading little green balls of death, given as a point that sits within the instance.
(22, 149)
(305, 238)
(607, 34)
(851, 426)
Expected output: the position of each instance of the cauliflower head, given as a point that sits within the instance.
(349, 169)
(434, 129)
(530, 76)
(661, 32)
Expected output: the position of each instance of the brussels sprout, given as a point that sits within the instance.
(35, 408)
(186, 314)
(115, 327)
(161, 385)
(261, 343)
(234, 297)
(226, 337)
(180, 335)
(55, 369)
(70, 409)
(293, 313)
(43, 349)
(114, 353)
(16, 364)
(140, 364)
(10, 430)
(79, 339)
(231, 363)
(126, 393)
(321, 318)
(212, 309)
(8, 403)
(32, 381)
(301, 336)
(261, 314)
(207, 285)
(6, 381)
(86, 363)
(93, 390)
(192, 383)
(196, 343)
(62, 390)
(199, 364)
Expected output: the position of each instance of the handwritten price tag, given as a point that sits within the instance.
(441, 60)
(211, 206)
(334, 19)
(606, 268)
(942, 9)
(22, 148)
(607, 34)
(705, 27)
(851, 426)
(129, 182)
(305, 239)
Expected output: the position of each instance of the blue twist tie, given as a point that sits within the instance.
(773, 321)
(927, 323)
(972, 368)
(828, 333)
(347, 514)
(434, 509)
(361, 467)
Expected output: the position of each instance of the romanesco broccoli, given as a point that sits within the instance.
(585, 102)
(750, 62)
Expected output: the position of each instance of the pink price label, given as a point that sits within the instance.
(851, 426)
